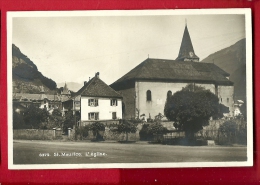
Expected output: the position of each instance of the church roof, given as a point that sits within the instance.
(172, 70)
(186, 49)
(97, 88)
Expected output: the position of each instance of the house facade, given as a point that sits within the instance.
(21, 101)
(146, 87)
(96, 101)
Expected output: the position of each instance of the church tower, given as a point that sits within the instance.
(186, 52)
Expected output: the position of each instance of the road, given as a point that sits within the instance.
(57, 152)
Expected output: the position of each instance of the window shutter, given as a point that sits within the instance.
(116, 102)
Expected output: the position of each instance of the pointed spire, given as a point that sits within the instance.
(186, 52)
(42, 89)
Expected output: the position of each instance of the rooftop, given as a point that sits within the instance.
(172, 70)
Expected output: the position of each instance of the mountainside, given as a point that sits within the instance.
(26, 77)
(74, 86)
(233, 60)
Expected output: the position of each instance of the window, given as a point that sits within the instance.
(227, 100)
(148, 95)
(113, 102)
(113, 115)
(93, 102)
(93, 116)
(169, 94)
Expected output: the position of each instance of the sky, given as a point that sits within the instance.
(73, 48)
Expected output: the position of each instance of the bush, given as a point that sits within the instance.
(96, 127)
(233, 131)
(157, 130)
(144, 135)
(82, 132)
(126, 127)
(18, 122)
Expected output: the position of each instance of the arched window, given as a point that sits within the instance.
(148, 95)
(169, 94)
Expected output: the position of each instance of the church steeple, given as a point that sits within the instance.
(186, 52)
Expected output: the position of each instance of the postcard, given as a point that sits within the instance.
(129, 89)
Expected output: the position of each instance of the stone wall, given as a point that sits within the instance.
(33, 134)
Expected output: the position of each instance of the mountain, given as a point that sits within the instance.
(71, 85)
(25, 75)
(233, 60)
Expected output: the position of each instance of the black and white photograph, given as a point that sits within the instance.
(129, 89)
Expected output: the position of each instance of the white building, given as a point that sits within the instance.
(96, 101)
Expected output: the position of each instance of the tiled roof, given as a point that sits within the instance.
(22, 96)
(172, 70)
(97, 88)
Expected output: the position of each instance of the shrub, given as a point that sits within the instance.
(82, 132)
(126, 127)
(227, 132)
(96, 127)
(144, 135)
(156, 129)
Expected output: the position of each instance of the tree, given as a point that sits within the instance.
(126, 127)
(156, 130)
(96, 127)
(191, 108)
(228, 129)
(243, 110)
(56, 119)
(44, 116)
(18, 122)
(69, 121)
(34, 116)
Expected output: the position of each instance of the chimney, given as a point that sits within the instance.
(85, 82)
(97, 75)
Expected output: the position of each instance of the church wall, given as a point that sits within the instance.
(159, 92)
(225, 94)
(129, 102)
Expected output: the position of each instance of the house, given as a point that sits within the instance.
(48, 101)
(146, 87)
(96, 101)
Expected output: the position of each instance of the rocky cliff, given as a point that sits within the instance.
(26, 77)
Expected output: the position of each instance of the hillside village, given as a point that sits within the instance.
(140, 95)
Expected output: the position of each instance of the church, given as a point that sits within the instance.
(146, 87)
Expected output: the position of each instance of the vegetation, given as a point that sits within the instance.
(233, 131)
(191, 108)
(18, 122)
(144, 134)
(96, 128)
(82, 132)
(70, 120)
(126, 127)
(34, 116)
(56, 119)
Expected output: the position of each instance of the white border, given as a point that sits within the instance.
(248, 28)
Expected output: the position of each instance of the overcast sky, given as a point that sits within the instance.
(72, 49)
